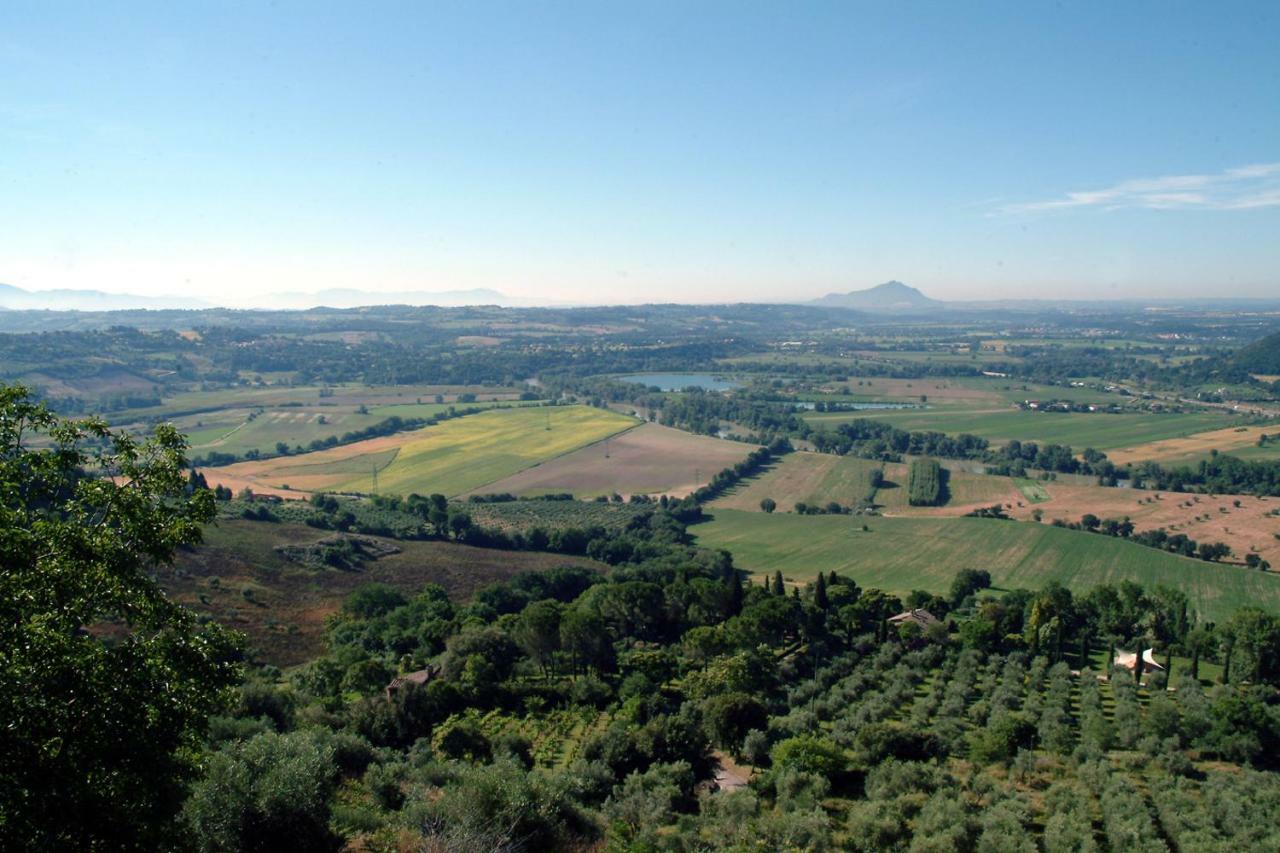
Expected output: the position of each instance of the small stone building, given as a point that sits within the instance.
(919, 616)
(421, 676)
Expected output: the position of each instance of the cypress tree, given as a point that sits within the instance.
(736, 594)
(778, 587)
(820, 592)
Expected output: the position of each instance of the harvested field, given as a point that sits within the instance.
(453, 457)
(648, 460)
(1247, 528)
(967, 488)
(1192, 448)
(287, 603)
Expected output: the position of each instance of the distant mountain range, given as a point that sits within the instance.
(892, 296)
(17, 299)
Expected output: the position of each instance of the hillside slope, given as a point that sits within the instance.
(1261, 356)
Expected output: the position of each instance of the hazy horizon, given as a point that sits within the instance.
(586, 155)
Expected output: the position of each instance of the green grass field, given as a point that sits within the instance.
(1079, 430)
(813, 478)
(901, 554)
(816, 478)
(1032, 490)
(455, 456)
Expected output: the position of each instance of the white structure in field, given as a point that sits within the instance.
(1128, 660)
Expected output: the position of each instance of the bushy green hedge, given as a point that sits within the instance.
(924, 483)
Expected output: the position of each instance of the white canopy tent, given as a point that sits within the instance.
(1128, 660)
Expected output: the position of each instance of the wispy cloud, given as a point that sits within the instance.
(1243, 188)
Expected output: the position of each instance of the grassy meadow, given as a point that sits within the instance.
(901, 554)
(817, 478)
(814, 478)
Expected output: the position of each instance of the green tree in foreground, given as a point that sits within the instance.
(268, 793)
(105, 684)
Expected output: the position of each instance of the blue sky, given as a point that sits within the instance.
(610, 152)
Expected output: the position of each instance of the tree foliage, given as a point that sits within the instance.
(105, 684)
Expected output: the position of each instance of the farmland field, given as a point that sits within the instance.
(1079, 430)
(238, 431)
(814, 478)
(817, 478)
(453, 457)
(649, 459)
(285, 610)
(1247, 528)
(1236, 441)
(901, 554)
(238, 421)
(959, 392)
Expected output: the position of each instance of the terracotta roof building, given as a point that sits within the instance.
(919, 616)
(421, 676)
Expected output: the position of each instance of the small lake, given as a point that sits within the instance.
(678, 381)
